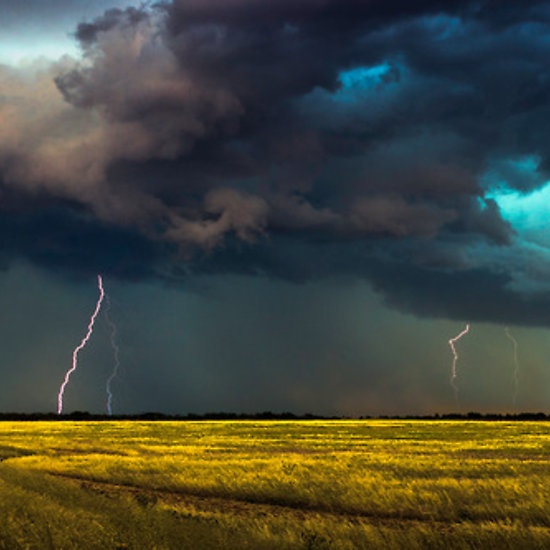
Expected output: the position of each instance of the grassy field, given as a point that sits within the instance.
(275, 485)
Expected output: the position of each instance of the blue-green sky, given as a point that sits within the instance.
(294, 204)
(43, 28)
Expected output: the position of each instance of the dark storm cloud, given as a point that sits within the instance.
(472, 295)
(57, 238)
(261, 137)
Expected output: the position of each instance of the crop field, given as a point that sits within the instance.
(274, 484)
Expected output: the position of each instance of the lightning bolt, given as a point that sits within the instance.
(516, 365)
(116, 353)
(81, 345)
(455, 359)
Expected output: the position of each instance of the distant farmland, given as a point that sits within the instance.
(334, 484)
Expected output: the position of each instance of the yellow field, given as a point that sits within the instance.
(275, 484)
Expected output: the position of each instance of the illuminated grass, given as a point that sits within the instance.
(275, 484)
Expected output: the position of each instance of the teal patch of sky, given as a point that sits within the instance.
(511, 184)
(379, 84)
(362, 77)
(357, 81)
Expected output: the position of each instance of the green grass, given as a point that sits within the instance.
(275, 484)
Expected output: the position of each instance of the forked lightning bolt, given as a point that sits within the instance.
(116, 353)
(455, 358)
(81, 345)
(516, 365)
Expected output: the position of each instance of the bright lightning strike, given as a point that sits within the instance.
(452, 342)
(116, 353)
(516, 365)
(81, 345)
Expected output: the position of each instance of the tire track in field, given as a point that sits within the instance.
(205, 503)
(200, 504)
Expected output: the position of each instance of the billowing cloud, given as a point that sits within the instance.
(290, 139)
(244, 215)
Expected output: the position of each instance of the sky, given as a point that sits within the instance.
(294, 205)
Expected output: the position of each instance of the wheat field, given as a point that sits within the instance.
(330, 484)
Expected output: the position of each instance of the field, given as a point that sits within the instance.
(275, 485)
